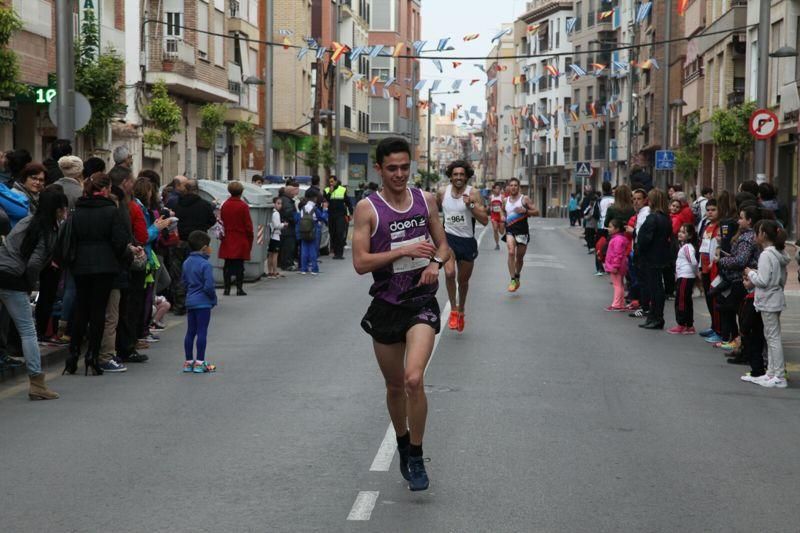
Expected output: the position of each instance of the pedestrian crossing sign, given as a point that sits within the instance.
(665, 160)
(583, 169)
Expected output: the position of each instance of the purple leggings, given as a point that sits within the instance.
(198, 320)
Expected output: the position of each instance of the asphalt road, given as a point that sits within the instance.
(546, 414)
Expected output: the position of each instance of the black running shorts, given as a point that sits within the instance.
(464, 248)
(388, 324)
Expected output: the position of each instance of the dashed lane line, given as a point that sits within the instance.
(363, 506)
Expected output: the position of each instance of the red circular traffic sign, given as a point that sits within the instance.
(763, 124)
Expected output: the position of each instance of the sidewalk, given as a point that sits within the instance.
(790, 319)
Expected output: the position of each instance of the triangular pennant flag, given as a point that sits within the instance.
(643, 12)
(443, 110)
(571, 23)
(442, 44)
(286, 43)
(311, 42)
(605, 14)
(386, 94)
(683, 6)
(473, 82)
(533, 28)
(302, 53)
(389, 83)
(420, 85)
(501, 34)
(435, 85)
(287, 33)
(491, 82)
(338, 50)
(598, 67)
(321, 51)
(480, 67)
(356, 52)
(438, 65)
(418, 46)
(576, 69)
(456, 85)
(471, 36)
(409, 102)
(398, 48)
(377, 49)
(347, 74)
(456, 64)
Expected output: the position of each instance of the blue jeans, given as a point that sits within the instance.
(68, 299)
(309, 252)
(197, 326)
(18, 305)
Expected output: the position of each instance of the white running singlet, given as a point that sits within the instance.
(457, 215)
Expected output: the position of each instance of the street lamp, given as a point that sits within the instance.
(431, 94)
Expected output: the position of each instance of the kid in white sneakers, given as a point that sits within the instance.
(769, 281)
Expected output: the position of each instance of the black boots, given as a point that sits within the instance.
(71, 364)
(227, 284)
(653, 323)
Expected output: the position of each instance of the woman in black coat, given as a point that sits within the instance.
(653, 248)
(101, 250)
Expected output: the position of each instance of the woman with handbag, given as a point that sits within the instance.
(238, 239)
(27, 250)
(101, 250)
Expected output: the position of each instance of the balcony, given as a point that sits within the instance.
(176, 49)
(243, 17)
(722, 28)
(599, 152)
(736, 98)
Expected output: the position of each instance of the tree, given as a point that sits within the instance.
(244, 131)
(164, 117)
(9, 64)
(731, 133)
(687, 156)
(212, 120)
(320, 155)
(98, 76)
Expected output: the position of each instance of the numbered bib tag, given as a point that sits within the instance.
(705, 247)
(495, 209)
(457, 221)
(407, 264)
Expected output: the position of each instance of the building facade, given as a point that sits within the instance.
(501, 70)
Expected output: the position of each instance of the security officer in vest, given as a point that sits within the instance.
(340, 208)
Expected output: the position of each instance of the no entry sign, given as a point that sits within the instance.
(763, 124)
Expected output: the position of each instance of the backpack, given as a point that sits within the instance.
(308, 226)
(65, 249)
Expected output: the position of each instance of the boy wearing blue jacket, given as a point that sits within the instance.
(201, 296)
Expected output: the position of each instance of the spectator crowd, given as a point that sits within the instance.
(656, 245)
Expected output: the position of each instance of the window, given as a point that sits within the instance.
(202, 25)
(173, 24)
(219, 40)
(108, 13)
(381, 67)
(347, 117)
(381, 15)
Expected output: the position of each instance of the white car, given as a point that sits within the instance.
(325, 237)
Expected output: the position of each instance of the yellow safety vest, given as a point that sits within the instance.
(337, 194)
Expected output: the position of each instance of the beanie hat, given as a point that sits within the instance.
(71, 166)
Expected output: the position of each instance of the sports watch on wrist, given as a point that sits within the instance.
(438, 260)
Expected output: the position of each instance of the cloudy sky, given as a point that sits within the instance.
(455, 19)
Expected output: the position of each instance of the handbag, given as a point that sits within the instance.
(719, 285)
(139, 263)
(65, 250)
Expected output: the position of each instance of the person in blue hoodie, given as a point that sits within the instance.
(201, 297)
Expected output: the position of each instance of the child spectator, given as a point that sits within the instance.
(161, 307)
(685, 275)
(751, 332)
(709, 232)
(201, 297)
(276, 227)
(616, 263)
(769, 281)
(308, 222)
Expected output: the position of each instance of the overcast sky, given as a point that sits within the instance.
(455, 19)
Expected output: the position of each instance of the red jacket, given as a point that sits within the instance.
(684, 216)
(138, 223)
(238, 240)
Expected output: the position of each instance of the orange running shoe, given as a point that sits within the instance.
(513, 286)
(453, 322)
(460, 322)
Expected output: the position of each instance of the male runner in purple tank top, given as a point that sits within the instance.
(392, 240)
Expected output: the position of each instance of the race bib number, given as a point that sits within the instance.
(456, 221)
(521, 239)
(407, 264)
(495, 209)
(705, 247)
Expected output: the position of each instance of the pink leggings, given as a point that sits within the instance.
(619, 290)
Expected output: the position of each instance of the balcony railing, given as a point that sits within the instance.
(735, 98)
(575, 154)
(175, 49)
(599, 151)
(587, 152)
(234, 8)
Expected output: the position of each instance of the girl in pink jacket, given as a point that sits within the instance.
(616, 263)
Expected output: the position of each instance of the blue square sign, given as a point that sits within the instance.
(665, 160)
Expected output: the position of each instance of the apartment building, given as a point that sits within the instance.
(394, 21)
(200, 68)
(25, 123)
(501, 137)
(543, 147)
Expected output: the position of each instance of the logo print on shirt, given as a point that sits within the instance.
(417, 221)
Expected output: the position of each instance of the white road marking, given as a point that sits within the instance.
(363, 506)
(383, 459)
(541, 264)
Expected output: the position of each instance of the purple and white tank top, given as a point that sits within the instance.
(396, 284)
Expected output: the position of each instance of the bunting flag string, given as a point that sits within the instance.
(605, 14)
(650, 63)
(377, 49)
(286, 43)
(598, 67)
(577, 70)
(571, 22)
(302, 53)
(338, 50)
(389, 82)
(456, 85)
(398, 48)
(456, 64)
(533, 28)
(435, 85)
(501, 34)
(683, 6)
(438, 65)
(442, 44)
(643, 12)
(471, 37)
(321, 51)
(418, 46)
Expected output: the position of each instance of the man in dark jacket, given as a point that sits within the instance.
(193, 213)
(340, 208)
(288, 240)
(59, 149)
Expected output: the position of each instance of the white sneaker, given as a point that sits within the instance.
(773, 382)
(750, 379)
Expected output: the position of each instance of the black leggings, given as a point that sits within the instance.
(728, 308)
(684, 310)
(91, 298)
(590, 235)
(48, 291)
(233, 268)
(752, 329)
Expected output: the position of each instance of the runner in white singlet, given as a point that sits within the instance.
(462, 206)
(496, 201)
(516, 211)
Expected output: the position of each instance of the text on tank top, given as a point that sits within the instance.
(511, 215)
(458, 219)
(396, 284)
(496, 204)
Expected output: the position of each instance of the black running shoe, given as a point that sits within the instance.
(134, 357)
(403, 452)
(417, 474)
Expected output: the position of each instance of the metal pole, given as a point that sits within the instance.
(65, 71)
(607, 146)
(530, 155)
(268, 88)
(414, 132)
(430, 106)
(762, 100)
(629, 148)
(667, 50)
(337, 91)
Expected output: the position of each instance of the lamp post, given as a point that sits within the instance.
(269, 74)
